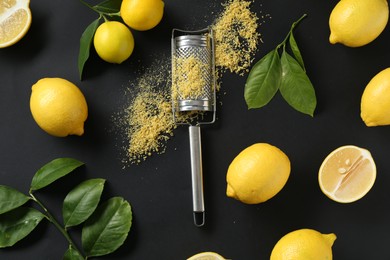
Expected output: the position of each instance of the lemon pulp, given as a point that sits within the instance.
(347, 174)
(15, 21)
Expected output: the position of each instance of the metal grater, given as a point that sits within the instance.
(198, 46)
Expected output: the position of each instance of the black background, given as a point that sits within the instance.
(159, 189)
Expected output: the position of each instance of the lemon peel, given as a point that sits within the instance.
(142, 15)
(58, 107)
(304, 244)
(355, 23)
(113, 42)
(375, 101)
(257, 174)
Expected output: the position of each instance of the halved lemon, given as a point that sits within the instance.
(15, 20)
(206, 256)
(347, 174)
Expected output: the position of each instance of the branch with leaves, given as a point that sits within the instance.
(285, 73)
(105, 226)
(107, 8)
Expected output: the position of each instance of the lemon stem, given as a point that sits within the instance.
(51, 218)
(283, 43)
(99, 11)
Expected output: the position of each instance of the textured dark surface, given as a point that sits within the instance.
(159, 189)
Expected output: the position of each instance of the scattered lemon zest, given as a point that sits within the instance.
(236, 37)
(149, 118)
(189, 80)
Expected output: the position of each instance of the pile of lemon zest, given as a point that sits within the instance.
(189, 79)
(236, 37)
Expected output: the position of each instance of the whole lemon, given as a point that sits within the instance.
(142, 15)
(355, 23)
(58, 107)
(113, 42)
(304, 244)
(375, 102)
(257, 174)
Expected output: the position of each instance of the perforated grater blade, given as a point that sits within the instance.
(193, 46)
(194, 90)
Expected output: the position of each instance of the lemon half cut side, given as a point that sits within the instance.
(207, 256)
(347, 174)
(15, 21)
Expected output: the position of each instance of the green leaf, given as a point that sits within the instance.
(72, 254)
(52, 171)
(296, 87)
(85, 45)
(82, 201)
(17, 224)
(109, 6)
(263, 80)
(295, 50)
(107, 228)
(11, 199)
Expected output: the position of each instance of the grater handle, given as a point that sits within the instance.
(197, 175)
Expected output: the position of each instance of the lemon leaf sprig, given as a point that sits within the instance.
(104, 226)
(85, 45)
(108, 9)
(285, 73)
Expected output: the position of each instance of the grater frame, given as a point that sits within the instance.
(206, 32)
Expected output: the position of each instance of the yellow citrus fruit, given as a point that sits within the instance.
(206, 256)
(257, 174)
(304, 244)
(15, 20)
(142, 15)
(347, 174)
(58, 107)
(113, 42)
(355, 23)
(375, 102)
